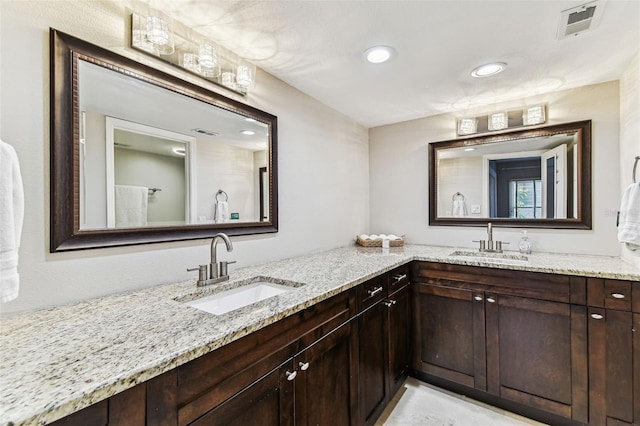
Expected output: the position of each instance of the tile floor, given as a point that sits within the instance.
(418, 403)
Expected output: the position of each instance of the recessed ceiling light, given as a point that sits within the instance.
(378, 54)
(248, 132)
(487, 70)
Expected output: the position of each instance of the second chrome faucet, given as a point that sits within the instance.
(214, 272)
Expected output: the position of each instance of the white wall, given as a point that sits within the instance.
(399, 179)
(630, 135)
(323, 166)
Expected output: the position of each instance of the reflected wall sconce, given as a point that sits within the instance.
(175, 43)
(528, 116)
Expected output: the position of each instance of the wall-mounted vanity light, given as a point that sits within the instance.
(175, 43)
(527, 116)
(467, 126)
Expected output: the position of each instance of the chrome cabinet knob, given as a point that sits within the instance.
(597, 316)
(389, 303)
(478, 298)
(491, 300)
(291, 375)
(618, 295)
(303, 365)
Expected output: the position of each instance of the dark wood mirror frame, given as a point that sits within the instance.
(583, 221)
(65, 232)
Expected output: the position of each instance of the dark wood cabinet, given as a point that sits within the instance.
(373, 390)
(449, 334)
(513, 335)
(383, 332)
(614, 353)
(561, 349)
(537, 354)
(325, 385)
(399, 306)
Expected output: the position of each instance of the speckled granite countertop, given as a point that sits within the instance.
(56, 361)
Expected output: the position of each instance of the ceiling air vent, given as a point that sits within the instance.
(580, 19)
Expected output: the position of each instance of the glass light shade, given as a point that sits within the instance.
(467, 126)
(208, 60)
(159, 35)
(190, 62)
(533, 115)
(244, 75)
(228, 79)
(498, 121)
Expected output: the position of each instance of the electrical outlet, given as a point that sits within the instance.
(475, 209)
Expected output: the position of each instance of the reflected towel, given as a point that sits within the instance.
(221, 214)
(131, 205)
(459, 208)
(11, 219)
(629, 224)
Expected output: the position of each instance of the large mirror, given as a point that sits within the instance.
(140, 156)
(528, 178)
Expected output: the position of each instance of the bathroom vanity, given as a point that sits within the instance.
(552, 339)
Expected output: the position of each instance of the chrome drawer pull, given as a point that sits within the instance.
(389, 303)
(597, 316)
(478, 298)
(399, 277)
(291, 375)
(491, 300)
(374, 291)
(618, 295)
(303, 365)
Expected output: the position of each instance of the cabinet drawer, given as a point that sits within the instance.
(610, 294)
(371, 292)
(398, 278)
(535, 285)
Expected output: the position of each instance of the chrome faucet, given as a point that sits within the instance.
(488, 245)
(216, 272)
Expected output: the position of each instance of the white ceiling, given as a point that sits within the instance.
(316, 46)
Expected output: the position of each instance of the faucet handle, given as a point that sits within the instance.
(482, 244)
(202, 272)
(223, 268)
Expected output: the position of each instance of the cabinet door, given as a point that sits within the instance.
(373, 361)
(537, 354)
(611, 393)
(268, 401)
(326, 386)
(449, 334)
(399, 338)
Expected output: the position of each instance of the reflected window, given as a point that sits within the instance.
(525, 199)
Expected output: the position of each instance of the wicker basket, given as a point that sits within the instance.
(378, 243)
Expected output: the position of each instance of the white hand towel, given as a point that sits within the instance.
(11, 219)
(459, 208)
(629, 224)
(131, 205)
(222, 212)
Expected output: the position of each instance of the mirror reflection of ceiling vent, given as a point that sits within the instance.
(580, 19)
(205, 132)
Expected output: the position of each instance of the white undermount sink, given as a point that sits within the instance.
(499, 258)
(239, 297)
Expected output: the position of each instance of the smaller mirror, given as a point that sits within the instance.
(528, 178)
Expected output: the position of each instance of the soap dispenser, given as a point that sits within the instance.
(525, 244)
